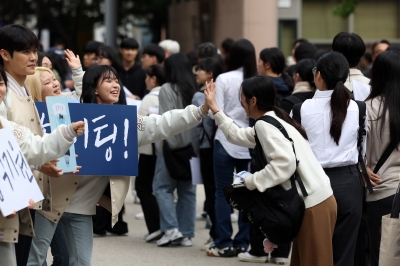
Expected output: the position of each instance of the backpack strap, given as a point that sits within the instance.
(296, 112)
(293, 99)
(295, 177)
(362, 114)
(385, 155)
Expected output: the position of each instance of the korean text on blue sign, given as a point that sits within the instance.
(109, 144)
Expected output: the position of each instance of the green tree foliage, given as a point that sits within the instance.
(345, 8)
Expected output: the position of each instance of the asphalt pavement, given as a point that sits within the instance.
(133, 250)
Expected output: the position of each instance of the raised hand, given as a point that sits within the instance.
(78, 127)
(73, 60)
(209, 93)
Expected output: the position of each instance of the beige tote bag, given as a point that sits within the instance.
(389, 254)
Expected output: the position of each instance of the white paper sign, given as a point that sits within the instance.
(17, 183)
(197, 178)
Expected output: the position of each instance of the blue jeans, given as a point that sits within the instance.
(181, 216)
(223, 173)
(78, 229)
(78, 232)
(48, 234)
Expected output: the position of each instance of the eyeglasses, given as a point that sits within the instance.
(314, 70)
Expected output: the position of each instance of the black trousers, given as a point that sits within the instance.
(257, 247)
(23, 246)
(102, 219)
(375, 211)
(144, 190)
(207, 171)
(362, 254)
(348, 191)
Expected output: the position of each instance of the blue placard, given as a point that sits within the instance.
(58, 112)
(109, 144)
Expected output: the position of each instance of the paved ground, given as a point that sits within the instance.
(133, 250)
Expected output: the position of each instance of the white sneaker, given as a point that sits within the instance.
(280, 261)
(153, 236)
(139, 216)
(186, 242)
(172, 235)
(234, 217)
(246, 256)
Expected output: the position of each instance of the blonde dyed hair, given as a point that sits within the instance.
(34, 85)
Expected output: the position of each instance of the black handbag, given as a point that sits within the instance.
(178, 161)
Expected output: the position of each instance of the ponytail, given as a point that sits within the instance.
(285, 117)
(340, 100)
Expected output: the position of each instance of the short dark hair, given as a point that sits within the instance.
(368, 56)
(91, 79)
(109, 53)
(226, 44)
(304, 69)
(207, 49)
(211, 65)
(350, 45)
(305, 50)
(158, 72)
(17, 38)
(129, 43)
(376, 43)
(155, 50)
(301, 40)
(91, 47)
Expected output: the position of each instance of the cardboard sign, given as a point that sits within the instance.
(17, 183)
(59, 115)
(109, 144)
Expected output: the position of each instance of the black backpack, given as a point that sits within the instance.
(277, 214)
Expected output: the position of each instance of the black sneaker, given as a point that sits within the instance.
(221, 252)
(240, 250)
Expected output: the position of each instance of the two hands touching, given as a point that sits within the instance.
(209, 94)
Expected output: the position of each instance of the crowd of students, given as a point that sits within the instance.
(220, 96)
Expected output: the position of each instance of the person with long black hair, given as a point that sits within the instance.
(312, 246)
(271, 63)
(331, 120)
(106, 55)
(305, 86)
(228, 156)
(177, 222)
(383, 130)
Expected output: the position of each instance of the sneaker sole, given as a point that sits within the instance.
(211, 254)
(255, 259)
(177, 241)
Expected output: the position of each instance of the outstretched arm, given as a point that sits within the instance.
(38, 150)
(234, 134)
(154, 128)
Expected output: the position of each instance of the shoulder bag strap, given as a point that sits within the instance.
(296, 176)
(296, 112)
(385, 155)
(362, 113)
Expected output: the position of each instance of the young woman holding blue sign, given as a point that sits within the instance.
(100, 85)
(37, 150)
